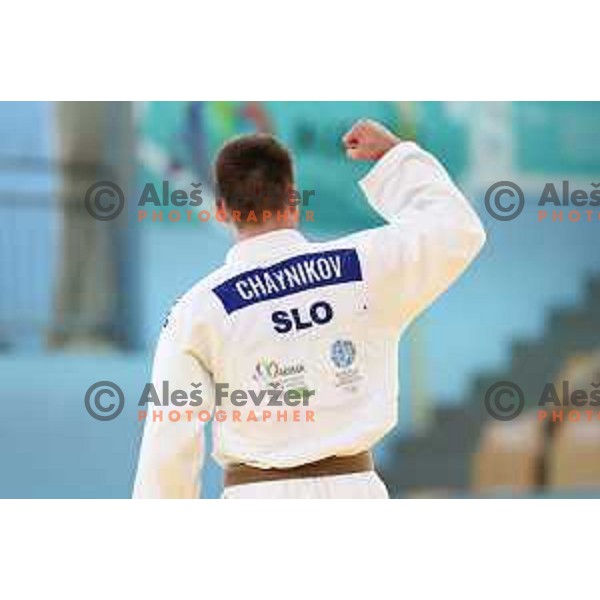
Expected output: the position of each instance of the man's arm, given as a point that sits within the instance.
(172, 452)
(433, 233)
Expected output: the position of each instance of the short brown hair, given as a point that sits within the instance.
(254, 173)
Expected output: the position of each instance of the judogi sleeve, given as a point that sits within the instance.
(431, 237)
(172, 450)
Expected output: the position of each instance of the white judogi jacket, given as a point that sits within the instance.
(284, 313)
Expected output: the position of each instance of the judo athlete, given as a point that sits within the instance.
(294, 345)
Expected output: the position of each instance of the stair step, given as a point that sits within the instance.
(441, 457)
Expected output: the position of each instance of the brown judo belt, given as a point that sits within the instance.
(333, 465)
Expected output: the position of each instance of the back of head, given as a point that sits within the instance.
(254, 173)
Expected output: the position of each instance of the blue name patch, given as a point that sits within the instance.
(289, 276)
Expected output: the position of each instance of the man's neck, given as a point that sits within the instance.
(256, 230)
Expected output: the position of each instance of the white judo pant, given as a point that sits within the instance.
(365, 486)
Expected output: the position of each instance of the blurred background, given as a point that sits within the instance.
(82, 300)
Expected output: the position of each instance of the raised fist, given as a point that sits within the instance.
(368, 140)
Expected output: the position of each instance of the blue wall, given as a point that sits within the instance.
(526, 268)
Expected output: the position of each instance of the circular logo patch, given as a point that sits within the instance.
(343, 353)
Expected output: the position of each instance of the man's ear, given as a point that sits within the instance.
(222, 210)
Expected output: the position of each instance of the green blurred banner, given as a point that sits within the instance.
(557, 137)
